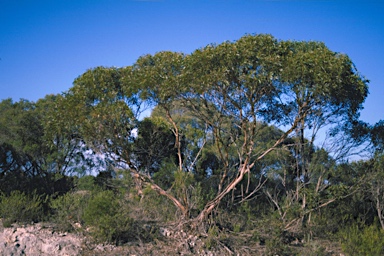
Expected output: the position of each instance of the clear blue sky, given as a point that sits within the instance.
(45, 45)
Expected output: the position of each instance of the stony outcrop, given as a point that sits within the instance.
(38, 239)
(43, 239)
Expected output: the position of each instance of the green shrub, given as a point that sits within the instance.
(212, 238)
(22, 208)
(274, 246)
(101, 204)
(68, 209)
(277, 241)
(107, 217)
(85, 183)
(366, 241)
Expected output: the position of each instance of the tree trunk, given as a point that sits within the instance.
(216, 201)
(379, 208)
(184, 209)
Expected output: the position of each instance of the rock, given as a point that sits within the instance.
(165, 232)
(42, 239)
(35, 240)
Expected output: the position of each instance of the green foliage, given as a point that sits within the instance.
(199, 197)
(276, 247)
(154, 144)
(165, 177)
(217, 103)
(212, 237)
(68, 209)
(368, 240)
(278, 243)
(107, 217)
(123, 182)
(104, 178)
(158, 77)
(86, 182)
(156, 207)
(377, 136)
(20, 207)
(101, 110)
(21, 127)
(100, 204)
(182, 183)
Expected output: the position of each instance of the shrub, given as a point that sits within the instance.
(85, 183)
(278, 240)
(69, 208)
(366, 241)
(22, 208)
(275, 246)
(107, 217)
(212, 238)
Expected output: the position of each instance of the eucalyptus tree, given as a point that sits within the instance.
(29, 159)
(102, 112)
(68, 154)
(22, 133)
(294, 85)
(377, 136)
(231, 91)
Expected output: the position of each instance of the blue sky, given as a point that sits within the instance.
(45, 45)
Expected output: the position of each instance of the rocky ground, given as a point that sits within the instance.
(44, 239)
(38, 240)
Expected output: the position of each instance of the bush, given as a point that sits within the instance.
(85, 183)
(366, 241)
(69, 208)
(22, 208)
(278, 240)
(275, 246)
(212, 238)
(107, 217)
